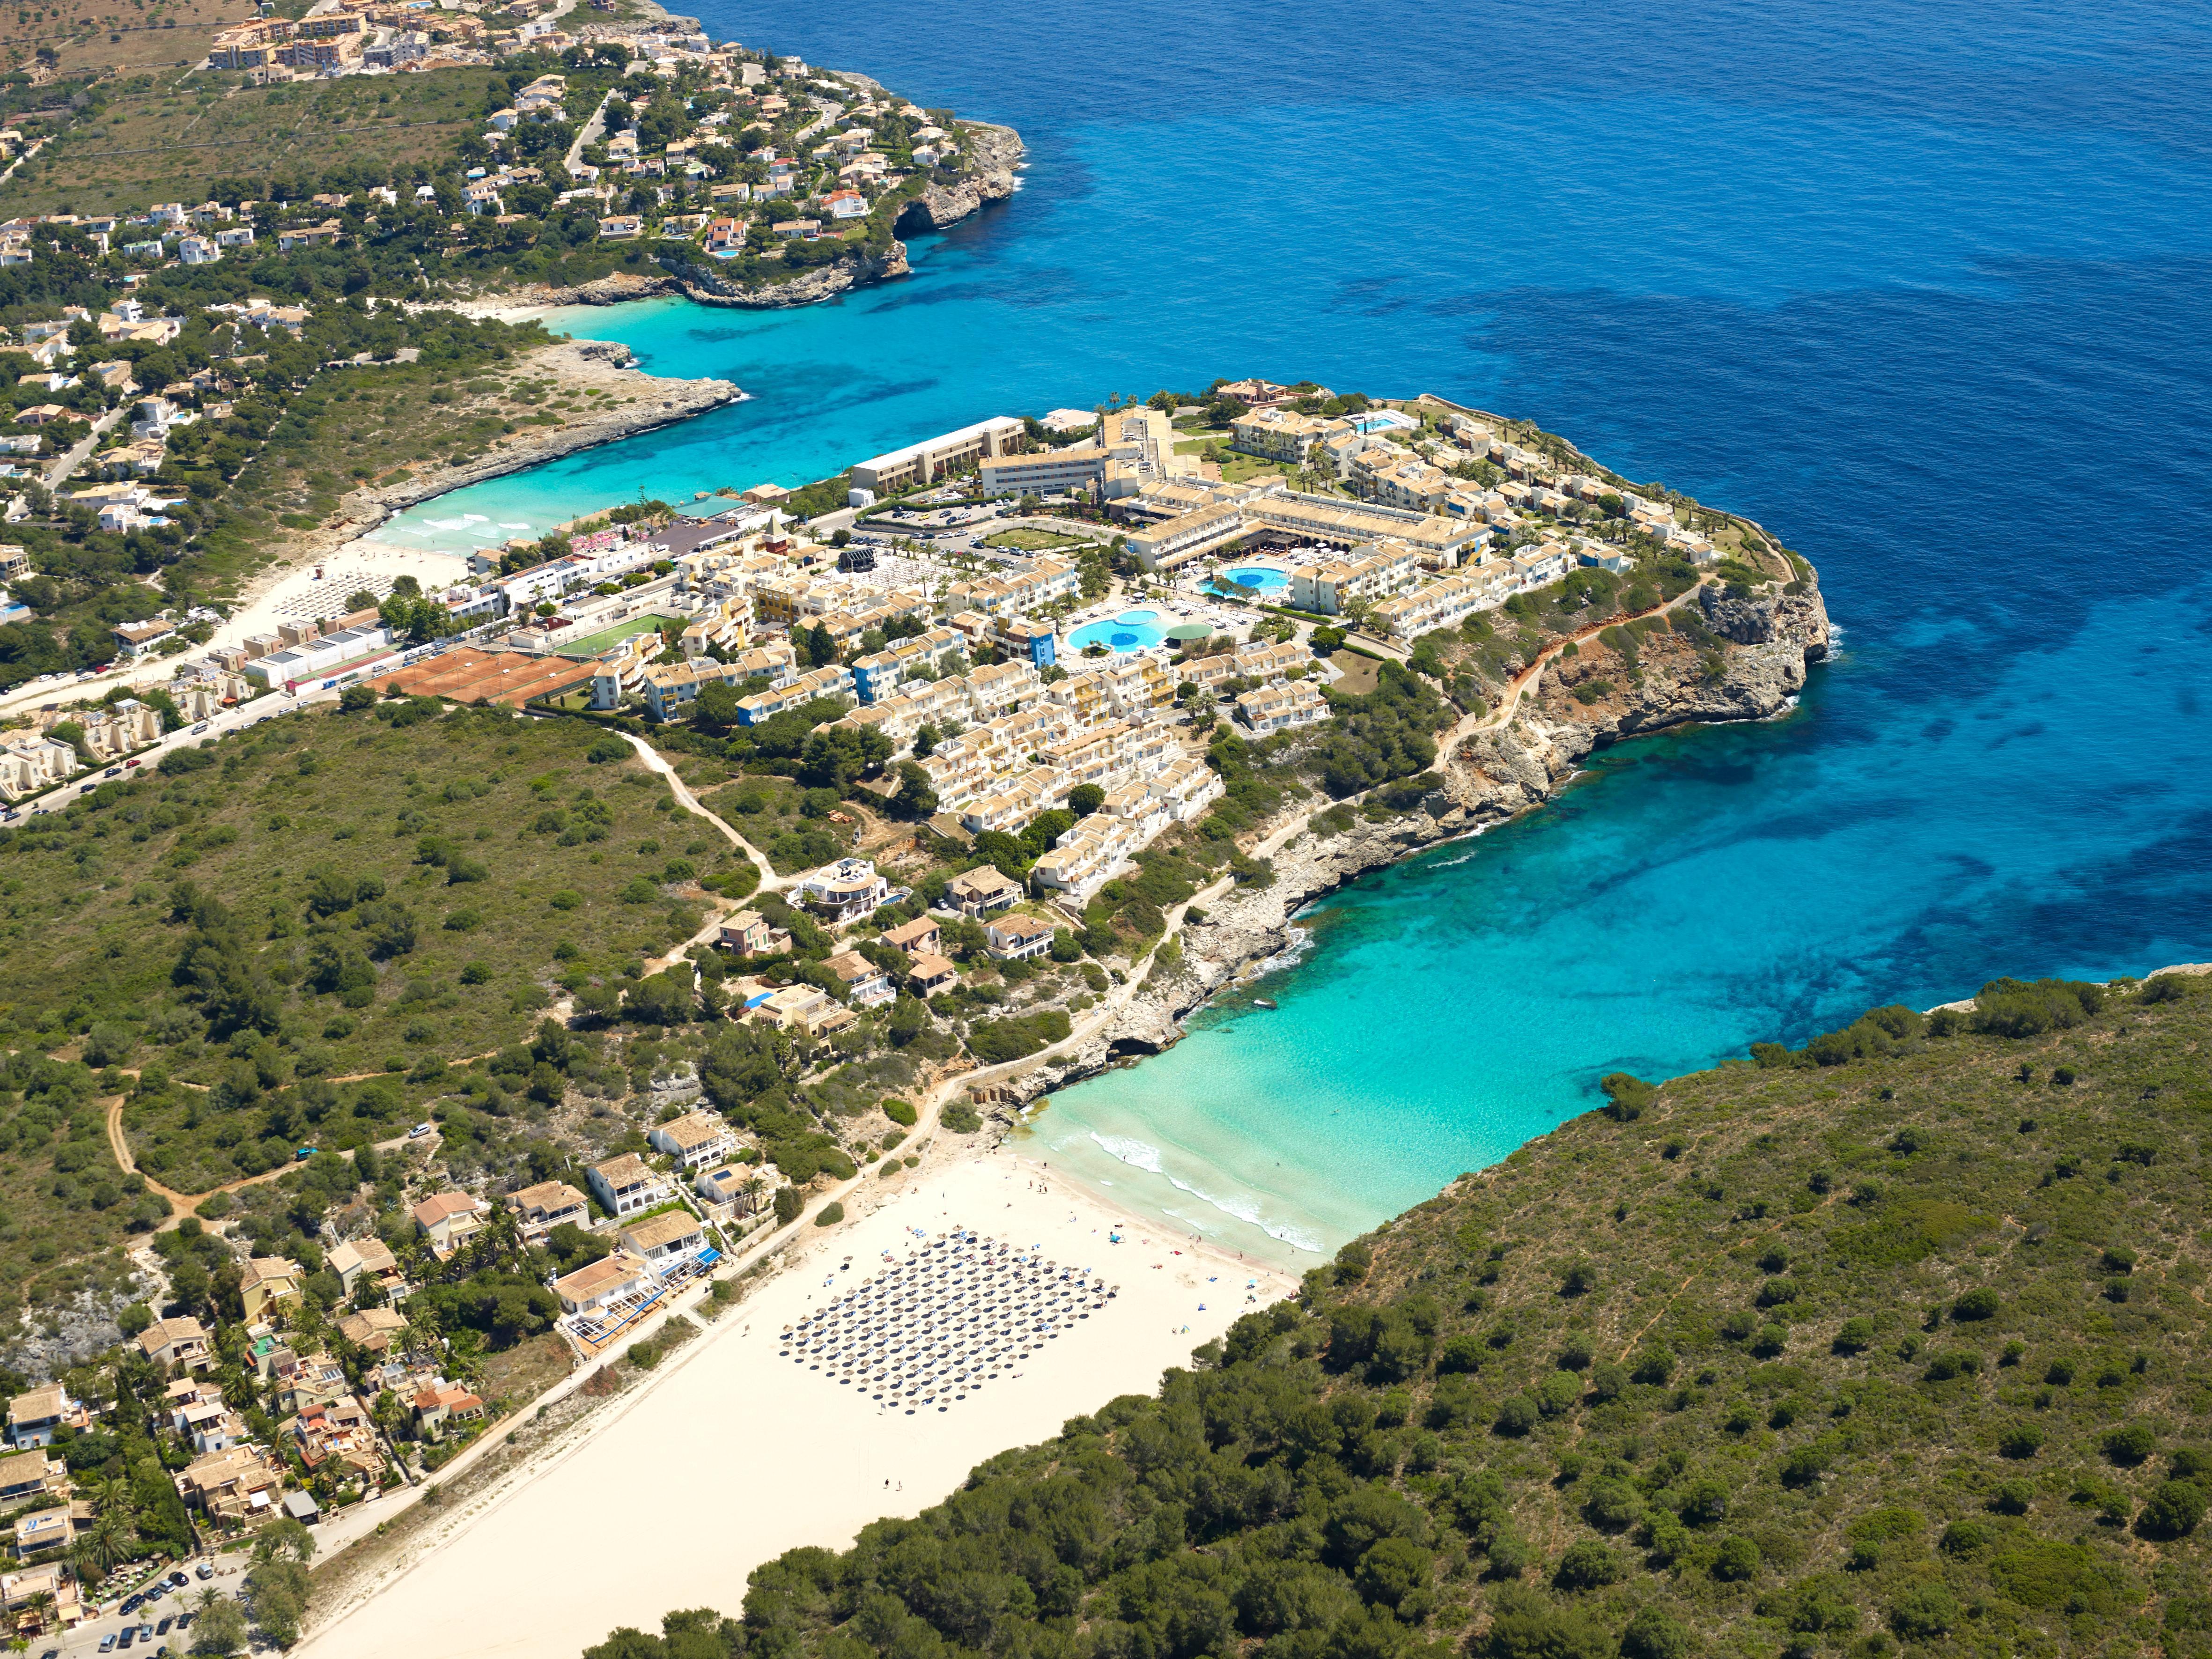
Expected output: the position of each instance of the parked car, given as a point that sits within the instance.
(130, 1604)
(184, 1621)
(163, 1629)
(107, 1642)
(178, 1579)
(201, 727)
(129, 1636)
(418, 1132)
(205, 1569)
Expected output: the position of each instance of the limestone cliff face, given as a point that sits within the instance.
(1752, 671)
(1770, 641)
(708, 287)
(997, 152)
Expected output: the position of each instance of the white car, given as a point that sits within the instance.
(418, 1132)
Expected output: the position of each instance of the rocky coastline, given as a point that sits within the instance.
(998, 151)
(1771, 643)
(638, 402)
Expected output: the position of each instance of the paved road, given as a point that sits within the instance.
(230, 719)
(591, 131)
(78, 454)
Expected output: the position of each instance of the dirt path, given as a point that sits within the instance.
(770, 881)
(1509, 704)
(180, 1204)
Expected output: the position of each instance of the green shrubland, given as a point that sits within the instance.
(1895, 1340)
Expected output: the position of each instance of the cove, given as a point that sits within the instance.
(1922, 288)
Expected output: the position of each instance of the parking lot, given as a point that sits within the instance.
(154, 1626)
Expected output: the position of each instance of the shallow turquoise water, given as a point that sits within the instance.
(1923, 287)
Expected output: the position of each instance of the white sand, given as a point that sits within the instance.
(734, 1456)
(294, 595)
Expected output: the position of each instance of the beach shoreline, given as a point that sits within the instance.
(834, 1463)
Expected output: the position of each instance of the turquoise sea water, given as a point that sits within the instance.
(1922, 287)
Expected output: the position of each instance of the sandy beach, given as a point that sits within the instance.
(732, 1455)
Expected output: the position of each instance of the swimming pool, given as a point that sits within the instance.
(1133, 630)
(1263, 579)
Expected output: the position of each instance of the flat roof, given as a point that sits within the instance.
(981, 429)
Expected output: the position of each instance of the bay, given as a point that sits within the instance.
(1923, 287)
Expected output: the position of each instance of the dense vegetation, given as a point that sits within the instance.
(1895, 1338)
(297, 438)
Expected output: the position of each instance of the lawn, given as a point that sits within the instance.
(591, 645)
(1034, 541)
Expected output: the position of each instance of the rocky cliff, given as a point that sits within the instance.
(997, 152)
(694, 281)
(1753, 669)
(1750, 664)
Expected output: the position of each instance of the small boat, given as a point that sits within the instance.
(1263, 1002)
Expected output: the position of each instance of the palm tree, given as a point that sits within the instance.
(107, 1539)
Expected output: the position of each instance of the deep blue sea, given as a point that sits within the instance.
(1925, 288)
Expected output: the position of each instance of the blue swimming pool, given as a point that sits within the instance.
(1133, 630)
(1263, 578)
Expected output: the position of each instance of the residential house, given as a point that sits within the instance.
(591, 1288)
(1282, 708)
(546, 1206)
(1012, 939)
(931, 974)
(209, 1426)
(33, 1416)
(29, 764)
(372, 1328)
(739, 1185)
(445, 1402)
(449, 1219)
(32, 1474)
(340, 1430)
(45, 1529)
(979, 891)
(865, 985)
(627, 1184)
(844, 891)
(667, 1240)
(43, 1598)
(920, 937)
(368, 1260)
(131, 638)
(749, 934)
(307, 1380)
(307, 235)
(695, 1140)
(269, 1282)
(179, 1342)
(237, 1485)
(795, 1007)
